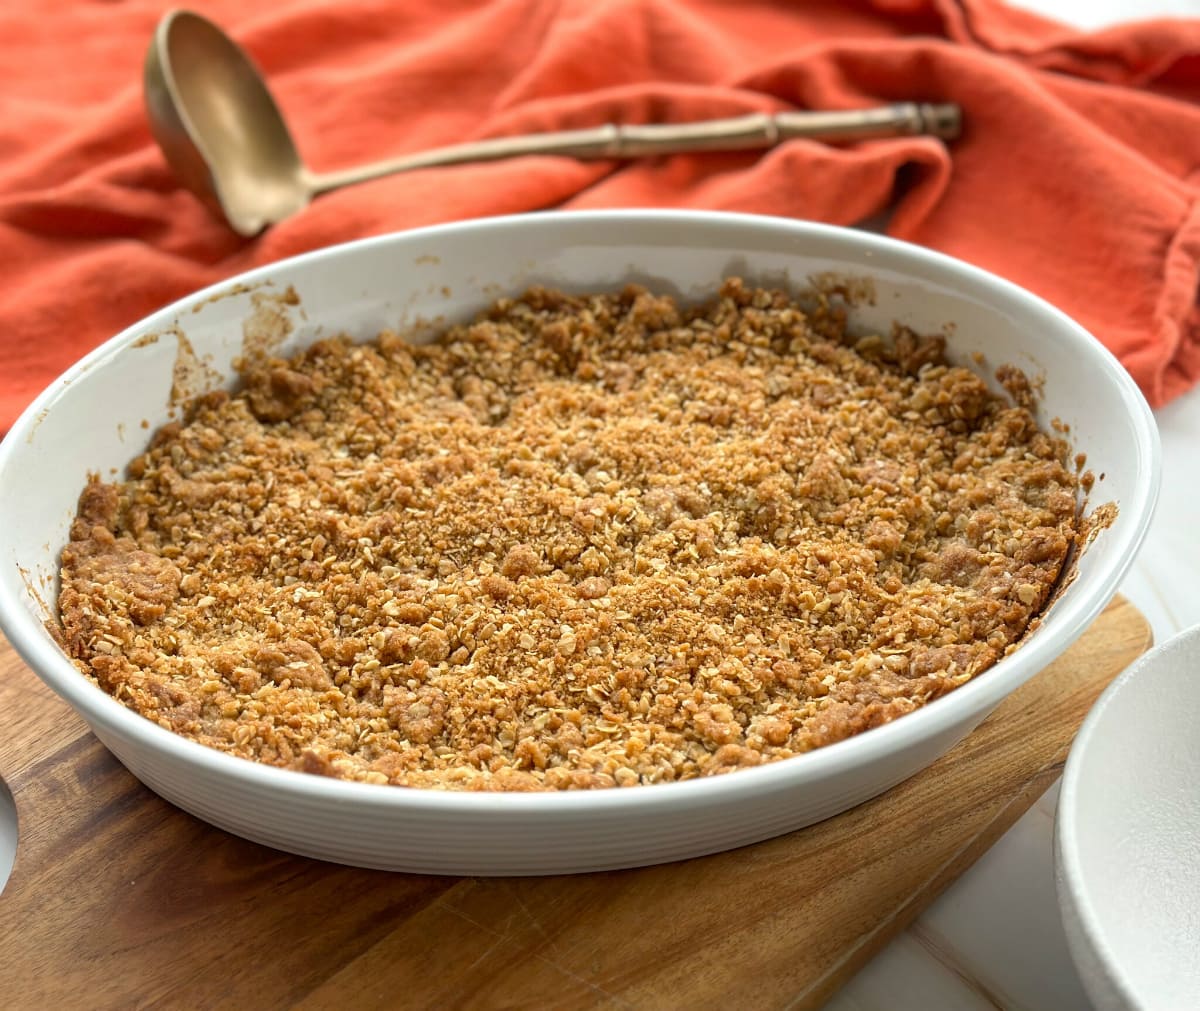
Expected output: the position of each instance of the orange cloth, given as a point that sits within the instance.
(1077, 177)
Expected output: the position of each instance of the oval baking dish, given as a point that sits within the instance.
(91, 420)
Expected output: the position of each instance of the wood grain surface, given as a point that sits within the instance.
(118, 900)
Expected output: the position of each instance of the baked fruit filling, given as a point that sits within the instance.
(582, 541)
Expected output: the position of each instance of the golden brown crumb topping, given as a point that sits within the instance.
(580, 542)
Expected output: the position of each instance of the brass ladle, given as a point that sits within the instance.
(224, 137)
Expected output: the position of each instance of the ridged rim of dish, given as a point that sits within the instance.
(1072, 613)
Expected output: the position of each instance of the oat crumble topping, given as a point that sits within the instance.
(580, 542)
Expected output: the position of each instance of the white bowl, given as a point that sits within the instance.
(90, 420)
(1127, 840)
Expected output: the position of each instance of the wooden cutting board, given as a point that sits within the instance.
(118, 899)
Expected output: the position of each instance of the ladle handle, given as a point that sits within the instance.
(740, 133)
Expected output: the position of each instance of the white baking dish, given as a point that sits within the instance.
(1127, 837)
(90, 420)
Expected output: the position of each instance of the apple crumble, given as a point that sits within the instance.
(579, 542)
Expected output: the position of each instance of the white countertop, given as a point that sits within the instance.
(994, 939)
